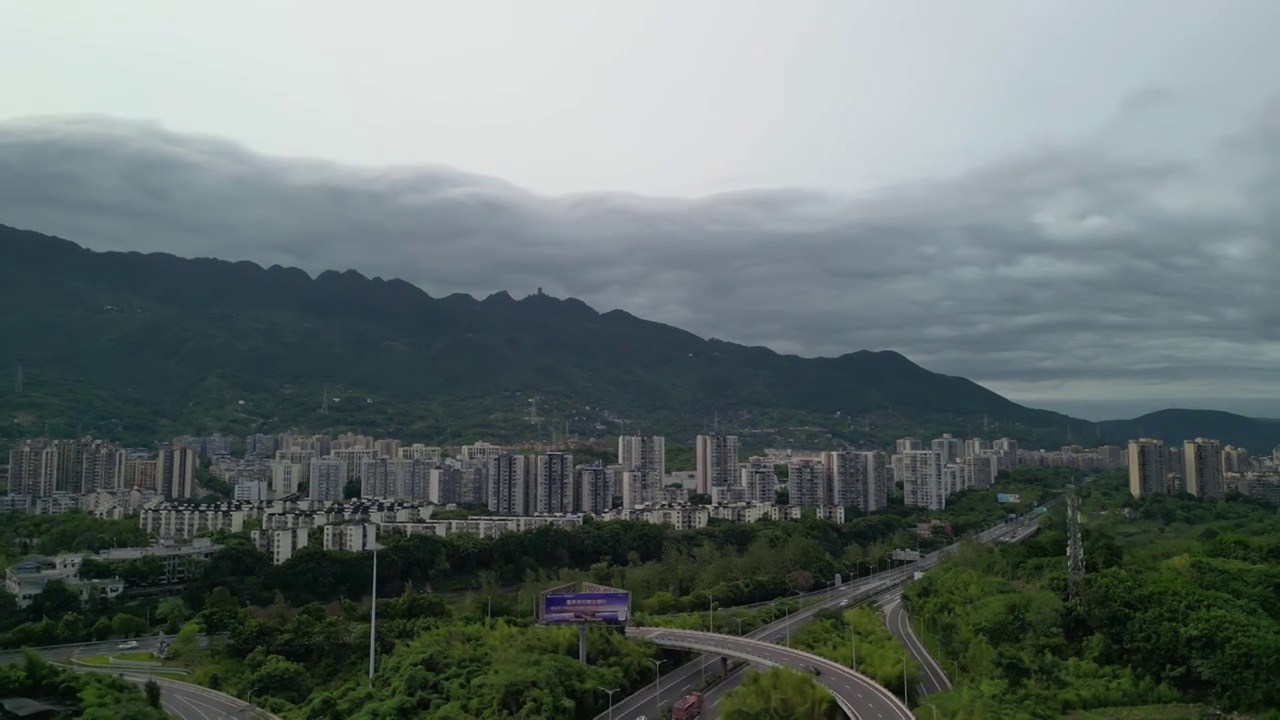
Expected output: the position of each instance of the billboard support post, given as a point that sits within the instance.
(566, 605)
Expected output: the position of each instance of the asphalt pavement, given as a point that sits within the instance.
(933, 679)
(867, 699)
(184, 701)
(689, 677)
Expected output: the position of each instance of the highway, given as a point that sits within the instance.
(689, 677)
(858, 695)
(184, 701)
(89, 649)
(933, 678)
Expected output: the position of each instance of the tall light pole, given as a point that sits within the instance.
(373, 614)
(657, 693)
(905, 688)
(853, 643)
(739, 621)
(788, 624)
(611, 692)
(934, 708)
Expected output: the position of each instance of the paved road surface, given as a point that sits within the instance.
(687, 678)
(89, 649)
(184, 701)
(867, 699)
(933, 678)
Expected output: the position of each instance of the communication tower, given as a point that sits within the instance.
(1075, 547)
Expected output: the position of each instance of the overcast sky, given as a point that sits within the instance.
(1070, 202)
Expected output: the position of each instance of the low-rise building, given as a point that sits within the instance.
(180, 561)
(28, 578)
(280, 545)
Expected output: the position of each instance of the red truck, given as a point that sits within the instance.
(687, 707)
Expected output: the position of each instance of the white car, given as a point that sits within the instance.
(131, 645)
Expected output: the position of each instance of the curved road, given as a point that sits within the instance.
(866, 699)
(934, 679)
(184, 701)
(689, 677)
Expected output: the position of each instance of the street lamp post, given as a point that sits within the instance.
(611, 692)
(739, 621)
(853, 644)
(788, 624)
(657, 692)
(905, 688)
(934, 708)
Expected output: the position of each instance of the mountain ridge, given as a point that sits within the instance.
(1174, 425)
(202, 343)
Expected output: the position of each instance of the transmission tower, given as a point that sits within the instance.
(1075, 547)
(17, 385)
(324, 401)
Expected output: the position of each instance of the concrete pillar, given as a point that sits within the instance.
(582, 643)
(724, 666)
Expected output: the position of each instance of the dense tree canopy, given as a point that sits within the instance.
(1181, 604)
(779, 694)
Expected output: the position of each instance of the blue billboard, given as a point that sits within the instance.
(610, 607)
(1008, 497)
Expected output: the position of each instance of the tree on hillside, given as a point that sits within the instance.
(779, 693)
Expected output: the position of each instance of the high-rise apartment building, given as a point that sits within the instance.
(909, 444)
(328, 479)
(1148, 467)
(639, 487)
(1202, 467)
(1006, 454)
(593, 484)
(418, 451)
(922, 481)
(951, 449)
(33, 469)
(953, 479)
(509, 475)
(286, 476)
(806, 483)
(979, 470)
(444, 485)
(387, 477)
(176, 471)
(717, 461)
(643, 452)
(759, 481)
(976, 446)
(140, 473)
(555, 483)
(480, 452)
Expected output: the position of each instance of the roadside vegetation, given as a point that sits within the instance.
(1180, 605)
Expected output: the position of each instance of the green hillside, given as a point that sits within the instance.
(140, 347)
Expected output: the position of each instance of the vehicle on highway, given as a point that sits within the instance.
(809, 669)
(131, 645)
(687, 707)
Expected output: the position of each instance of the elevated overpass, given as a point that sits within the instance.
(859, 696)
(689, 677)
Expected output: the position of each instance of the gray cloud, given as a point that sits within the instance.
(1115, 273)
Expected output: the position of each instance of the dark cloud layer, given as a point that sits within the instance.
(1070, 264)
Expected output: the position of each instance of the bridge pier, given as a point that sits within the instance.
(582, 643)
(724, 666)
